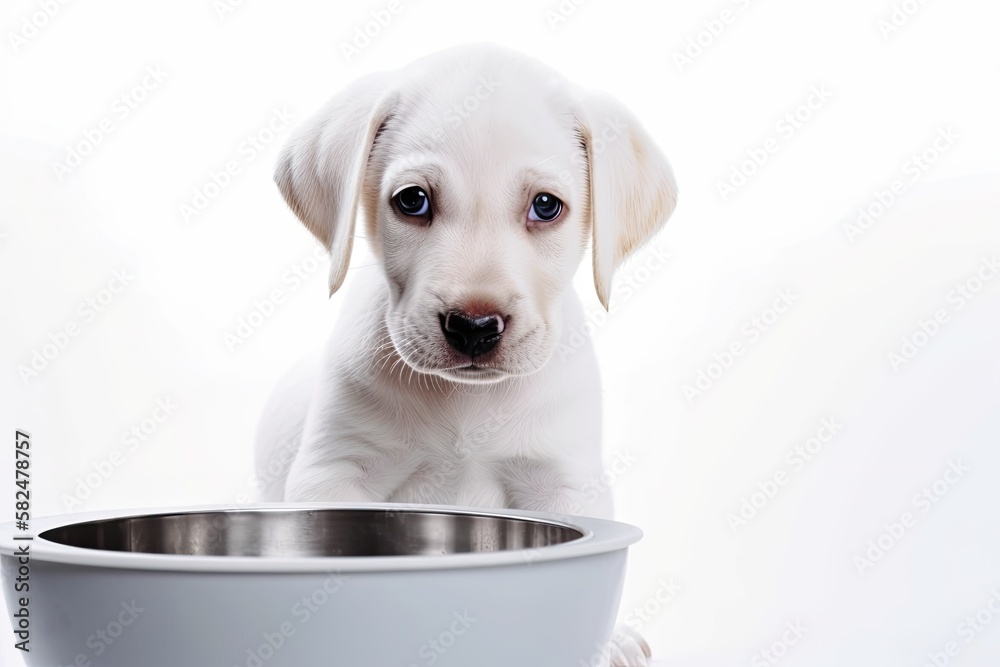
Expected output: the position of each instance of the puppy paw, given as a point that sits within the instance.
(627, 648)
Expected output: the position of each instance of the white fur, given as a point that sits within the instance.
(390, 412)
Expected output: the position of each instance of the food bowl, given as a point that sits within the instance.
(304, 585)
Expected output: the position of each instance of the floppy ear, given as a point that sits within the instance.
(321, 169)
(632, 187)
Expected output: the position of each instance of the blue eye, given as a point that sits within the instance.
(545, 208)
(413, 201)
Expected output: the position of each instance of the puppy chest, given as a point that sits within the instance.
(453, 481)
(457, 456)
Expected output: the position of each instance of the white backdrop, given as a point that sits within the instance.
(838, 224)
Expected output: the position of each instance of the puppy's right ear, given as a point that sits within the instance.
(321, 169)
(632, 187)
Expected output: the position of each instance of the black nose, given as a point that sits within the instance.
(471, 335)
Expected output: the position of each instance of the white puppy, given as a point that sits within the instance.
(480, 175)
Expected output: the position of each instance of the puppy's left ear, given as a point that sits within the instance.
(632, 187)
(321, 169)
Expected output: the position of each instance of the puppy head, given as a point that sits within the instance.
(482, 175)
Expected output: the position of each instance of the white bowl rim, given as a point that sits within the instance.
(599, 536)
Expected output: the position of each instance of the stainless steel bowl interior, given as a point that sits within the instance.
(312, 532)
